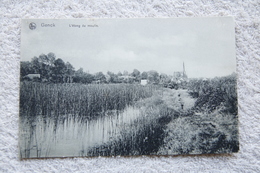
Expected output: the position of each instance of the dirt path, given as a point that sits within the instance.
(178, 99)
(145, 135)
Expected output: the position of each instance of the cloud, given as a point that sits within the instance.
(116, 54)
(204, 44)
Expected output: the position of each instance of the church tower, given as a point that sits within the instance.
(184, 72)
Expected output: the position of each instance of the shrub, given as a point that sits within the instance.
(214, 93)
(201, 133)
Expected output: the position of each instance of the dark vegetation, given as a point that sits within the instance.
(201, 133)
(62, 92)
(145, 137)
(86, 101)
(211, 126)
(55, 70)
(213, 94)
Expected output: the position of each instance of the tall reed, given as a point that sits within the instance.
(88, 101)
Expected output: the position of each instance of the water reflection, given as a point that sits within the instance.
(70, 136)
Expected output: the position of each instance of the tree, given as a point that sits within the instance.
(59, 71)
(88, 78)
(43, 59)
(153, 76)
(26, 68)
(51, 58)
(45, 68)
(69, 72)
(78, 76)
(36, 67)
(119, 74)
(112, 77)
(43, 65)
(100, 77)
(136, 74)
(125, 73)
(144, 75)
(164, 78)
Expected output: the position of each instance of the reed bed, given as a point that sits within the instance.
(86, 101)
(74, 116)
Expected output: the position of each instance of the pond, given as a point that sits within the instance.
(70, 136)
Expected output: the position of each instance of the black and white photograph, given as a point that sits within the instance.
(127, 87)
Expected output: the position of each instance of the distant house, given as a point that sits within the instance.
(144, 82)
(32, 76)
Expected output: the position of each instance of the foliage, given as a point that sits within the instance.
(144, 75)
(201, 133)
(55, 70)
(58, 71)
(137, 75)
(161, 127)
(50, 69)
(26, 68)
(111, 77)
(100, 77)
(211, 125)
(153, 76)
(215, 93)
(144, 135)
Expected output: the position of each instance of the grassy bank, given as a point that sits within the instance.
(145, 135)
(211, 126)
(201, 133)
(128, 119)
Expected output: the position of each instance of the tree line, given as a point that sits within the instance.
(55, 70)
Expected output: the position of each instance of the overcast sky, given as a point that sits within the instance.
(205, 45)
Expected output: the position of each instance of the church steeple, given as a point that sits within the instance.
(184, 72)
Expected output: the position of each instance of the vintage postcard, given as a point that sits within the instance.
(110, 87)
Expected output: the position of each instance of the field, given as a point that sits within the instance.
(58, 120)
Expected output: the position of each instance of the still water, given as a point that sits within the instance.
(72, 136)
